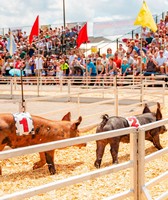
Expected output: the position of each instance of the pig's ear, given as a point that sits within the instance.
(67, 117)
(76, 123)
(158, 112)
(146, 109)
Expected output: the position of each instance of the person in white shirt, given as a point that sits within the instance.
(161, 61)
(38, 64)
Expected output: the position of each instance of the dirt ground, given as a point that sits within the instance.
(18, 174)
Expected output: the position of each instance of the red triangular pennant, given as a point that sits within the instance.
(34, 30)
(82, 36)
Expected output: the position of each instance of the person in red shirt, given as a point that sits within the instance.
(17, 63)
(117, 60)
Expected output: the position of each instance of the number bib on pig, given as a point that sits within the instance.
(133, 121)
(24, 124)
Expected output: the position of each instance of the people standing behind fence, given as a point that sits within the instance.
(104, 59)
(157, 41)
(7, 66)
(76, 67)
(90, 68)
(109, 53)
(111, 70)
(100, 70)
(121, 51)
(151, 66)
(38, 64)
(32, 64)
(149, 37)
(161, 62)
(137, 65)
(117, 60)
(124, 67)
(2, 61)
(166, 52)
(27, 69)
(130, 61)
(64, 66)
(59, 71)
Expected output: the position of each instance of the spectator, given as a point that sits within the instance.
(117, 60)
(125, 67)
(130, 60)
(2, 62)
(32, 64)
(161, 60)
(144, 32)
(151, 66)
(121, 51)
(38, 64)
(149, 38)
(100, 70)
(109, 53)
(104, 59)
(64, 66)
(90, 68)
(157, 41)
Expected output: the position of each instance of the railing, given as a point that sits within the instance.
(137, 92)
(138, 188)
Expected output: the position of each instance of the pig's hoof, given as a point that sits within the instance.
(38, 165)
(51, 170)
(97, 165)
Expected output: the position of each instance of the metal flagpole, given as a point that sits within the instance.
(23, 109)
(38, 76)
(141, 89)
(38, 70)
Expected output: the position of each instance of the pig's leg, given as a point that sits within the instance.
(156, 142)
(99, 153)
(114, 144)
(42, 161)
(50, 161)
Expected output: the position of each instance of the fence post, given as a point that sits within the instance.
(163, 94)
(69, 90)
(115, 95)
(141, 91)
(11, 86)
(61, 84)
(133, 157)
(141, 162)
(79, 105)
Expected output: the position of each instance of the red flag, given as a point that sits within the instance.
(34, 30)
(82, 36)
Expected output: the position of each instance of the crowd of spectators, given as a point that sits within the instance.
(54, 53)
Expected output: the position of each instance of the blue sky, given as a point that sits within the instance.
(15, 13)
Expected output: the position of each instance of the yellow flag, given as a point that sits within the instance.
(145, 18)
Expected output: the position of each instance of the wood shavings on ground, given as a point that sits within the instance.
(18, 174)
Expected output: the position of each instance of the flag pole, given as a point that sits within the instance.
(22, 99)
(38, 70)
(141, 88)
(38, 75)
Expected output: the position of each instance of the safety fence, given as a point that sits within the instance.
(125, 97)
(138, 188)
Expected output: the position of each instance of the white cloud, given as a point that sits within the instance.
(23, 13)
